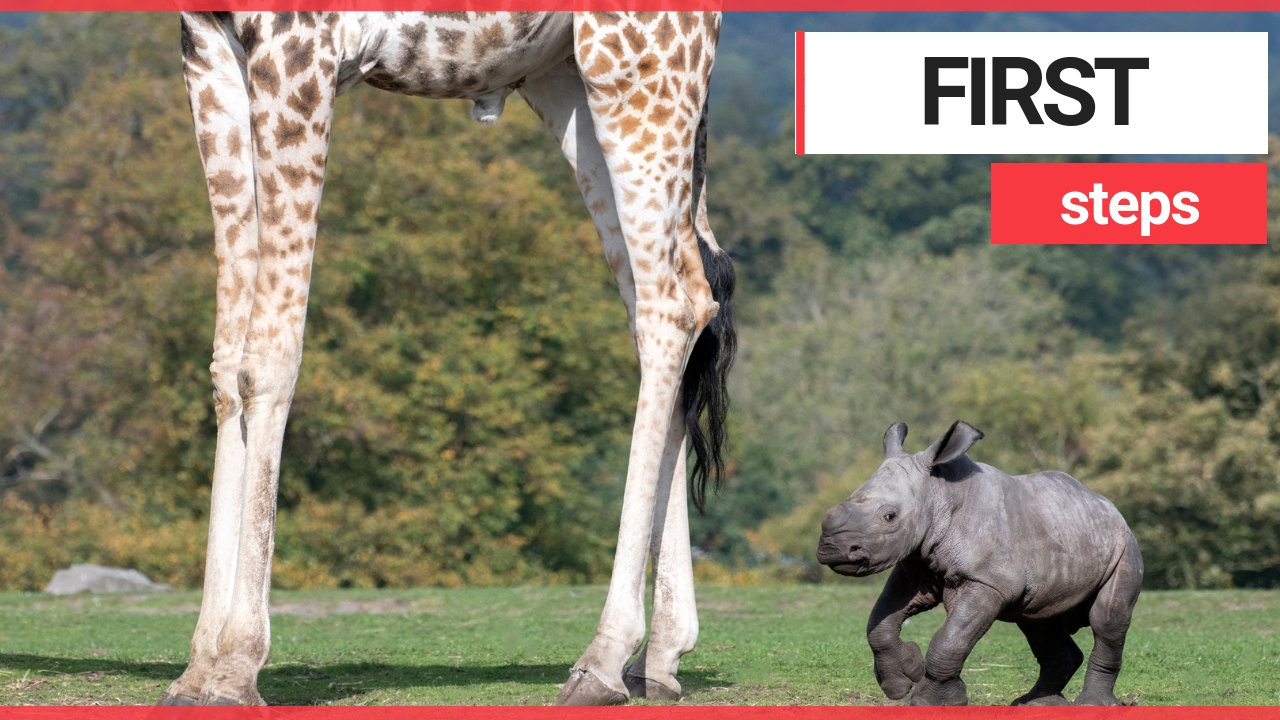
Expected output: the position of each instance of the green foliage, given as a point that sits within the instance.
(465, 401)
(466, 397)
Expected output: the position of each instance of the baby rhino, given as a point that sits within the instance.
(1038, 550)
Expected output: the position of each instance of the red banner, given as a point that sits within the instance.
(632, 5)
(643, 713)
(1128, 203)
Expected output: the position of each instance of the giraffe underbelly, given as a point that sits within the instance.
(479, 56)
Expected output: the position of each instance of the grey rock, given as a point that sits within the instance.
(1039, 550)
(99, 579)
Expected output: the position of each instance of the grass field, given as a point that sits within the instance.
(759, 645)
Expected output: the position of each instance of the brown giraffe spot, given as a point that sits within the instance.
(490, 39)
(628, 125)
(677, 61)
(648, 65)
(251, 35)
(192, 44)
(232, 234)
(413, 41)
(208, 142)
(450, 39)
(688, 21)
(270, 188)
(712, 21)
(695, 52)
(295, 175)
(306, 269)
(226, 183)
(661, 114)
(289, 133)
(638, 101)
(665, 33)
(646, 139)
(306, 98)
(326, 67)
(586, 32)
(272, 214)
(695, 98)
(304, 210)
(613, 44)
(265, 74)
(634, 37)
(524, 24)
(319, 129)
(223, 210)
(298, 55)
(318, 160)
(608, 18)
(307, 18)
(209, 104)
(602, 66)
(282, 24)
(234, 143)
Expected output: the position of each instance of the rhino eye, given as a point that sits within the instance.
(889, 516)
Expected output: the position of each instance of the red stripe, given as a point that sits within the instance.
(799, 92)
(1028, 201)
(643, 713)
(631, 5)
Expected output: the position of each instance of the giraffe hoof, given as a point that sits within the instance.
(217, 699)
(177, 699)
(641, 687)
(584, 688)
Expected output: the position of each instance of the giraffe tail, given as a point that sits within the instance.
(706, 390)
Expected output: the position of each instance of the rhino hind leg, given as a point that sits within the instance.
(1059, 658)
(1109, 617)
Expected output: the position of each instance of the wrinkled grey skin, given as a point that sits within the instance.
(1039, 550)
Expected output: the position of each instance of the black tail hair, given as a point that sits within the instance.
(706, 390)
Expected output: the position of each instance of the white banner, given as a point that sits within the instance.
(1032, 93)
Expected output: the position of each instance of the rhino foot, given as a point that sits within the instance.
(1033, 698)
(1096, 698)
(947, 692)
(897, 672)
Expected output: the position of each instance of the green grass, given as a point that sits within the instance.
(759, 645)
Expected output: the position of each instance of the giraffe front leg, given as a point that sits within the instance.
(291, 102)
(220, 109)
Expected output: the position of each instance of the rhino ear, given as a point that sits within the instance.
(893, 438)
(954, 443)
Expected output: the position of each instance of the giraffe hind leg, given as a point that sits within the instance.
(647, 137)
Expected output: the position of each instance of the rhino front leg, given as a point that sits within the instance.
(899, 665)
(970, 611)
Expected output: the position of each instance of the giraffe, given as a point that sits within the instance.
(624, 94)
